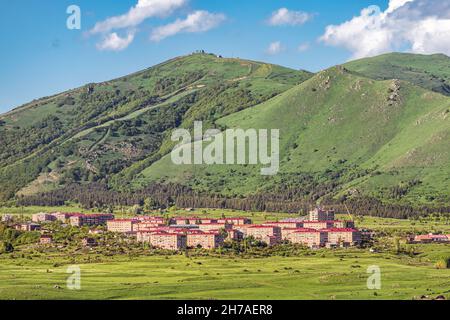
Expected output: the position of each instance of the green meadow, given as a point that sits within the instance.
(340, 274)
(133, 272)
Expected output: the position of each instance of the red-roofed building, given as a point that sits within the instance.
(168, 241)
(309, 237)
(343, 224)
(320, 214)
(285, 232)
(318, 225)
(427, 238)
(205, 240)
(237, 221)
(284, 224)
(264, 232)
(151, 219)
(145, 225)
(205, 220)
(90, 219)
(234, 234)
(346, 236)
(122, 225)
(213, 226)
(185, 220)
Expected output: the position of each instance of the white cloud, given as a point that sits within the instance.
(275, 48)
(284, 16)
(113, 42)
(143, 10)
(198, 21)
(419, 26)
(395, 4)
(303, 47)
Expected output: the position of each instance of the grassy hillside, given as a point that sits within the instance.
(91, 133)
(345, 132)
(341, 135)
(428, 71)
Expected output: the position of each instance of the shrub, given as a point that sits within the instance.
(443, 263)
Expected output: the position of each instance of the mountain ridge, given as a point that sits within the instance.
(392, 132)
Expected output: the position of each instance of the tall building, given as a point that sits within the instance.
(318, 214)
(90, 219)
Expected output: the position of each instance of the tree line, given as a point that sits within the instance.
(98, 195)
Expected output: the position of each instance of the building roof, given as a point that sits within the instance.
(261, 227)
(432, 236)
(212, 223)
(307, 230)
(280, 222)
(339, 230)
(167, 234)
(321, 221)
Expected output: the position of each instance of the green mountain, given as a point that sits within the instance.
(427, 71)
(347, 132)
(100, 130)
(341, 135)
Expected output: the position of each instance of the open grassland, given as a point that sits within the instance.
(340, 274)
(35, 272)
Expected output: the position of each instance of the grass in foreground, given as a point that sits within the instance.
(325, 275)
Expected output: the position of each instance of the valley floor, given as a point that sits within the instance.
(31, 272)
(337, 275)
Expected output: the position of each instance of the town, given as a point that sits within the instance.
(320, 229)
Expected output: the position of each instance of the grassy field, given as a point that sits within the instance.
(324, 275)
(32, 272)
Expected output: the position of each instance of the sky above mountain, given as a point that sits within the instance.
(41, 56)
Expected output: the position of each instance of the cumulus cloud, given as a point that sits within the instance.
(284, 16)
(419, 26)
(275, 48)
(198, 21)
(143, 10)
(113, 42)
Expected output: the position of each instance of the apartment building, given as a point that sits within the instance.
(284, 224)
(343, 224)
(169, 241)
(319, 214)
(184, 220)
(309, 237)
(210, 240)
(63, 216)
(237, 221)
(122, 225)
(206, 227)
(42, 217)
(317, 225)
(264, 233)
(80, 220)
(345, 236)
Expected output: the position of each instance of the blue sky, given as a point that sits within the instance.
(40, 56)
